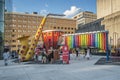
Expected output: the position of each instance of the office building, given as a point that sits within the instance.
(110, 11)
(107, 7)
(84, 18)
(2, 8)
(19, 24)
(112, 24)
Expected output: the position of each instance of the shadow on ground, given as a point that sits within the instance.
(39, 62)
(112, 61)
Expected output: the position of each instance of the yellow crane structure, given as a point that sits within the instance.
(26, 51)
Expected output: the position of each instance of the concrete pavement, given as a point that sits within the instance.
(78, 69)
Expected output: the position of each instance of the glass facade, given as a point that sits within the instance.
(2, 9)
(8, 6)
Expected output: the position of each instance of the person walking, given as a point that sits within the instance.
(6, 57)
(88, 54)
(76, 50)
(85, 52)
(19, 58)
(37, 52)
(44, 56)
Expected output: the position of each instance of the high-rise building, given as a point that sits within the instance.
(84, 18)
(106, 7)
(19, 24)
(112, 24)
(2, 8)
(110, 11)
(8, 5)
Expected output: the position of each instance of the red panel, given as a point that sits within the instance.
(51, 38)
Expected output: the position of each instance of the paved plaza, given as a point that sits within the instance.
(78, 69)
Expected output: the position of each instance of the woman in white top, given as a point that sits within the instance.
(88, 54)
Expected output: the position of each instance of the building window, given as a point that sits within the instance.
(13, 40)
(19, 25)
(14, 20)
(13, 45)
(19, 30)
(24, 31)
(13, 35)
(19, 45)
(14, 25)
(71, 28)
(13, 30)
(54, 27)
(19, 36)
(29, 31)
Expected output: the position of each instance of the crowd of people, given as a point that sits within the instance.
(46, 56)
(86, 52)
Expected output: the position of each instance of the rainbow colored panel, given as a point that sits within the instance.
(97, 40)
(76, 40)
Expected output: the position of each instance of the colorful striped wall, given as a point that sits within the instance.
(91, 39)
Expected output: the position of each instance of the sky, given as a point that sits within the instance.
(43, 7)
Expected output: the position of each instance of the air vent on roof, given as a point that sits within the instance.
(35, 13)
